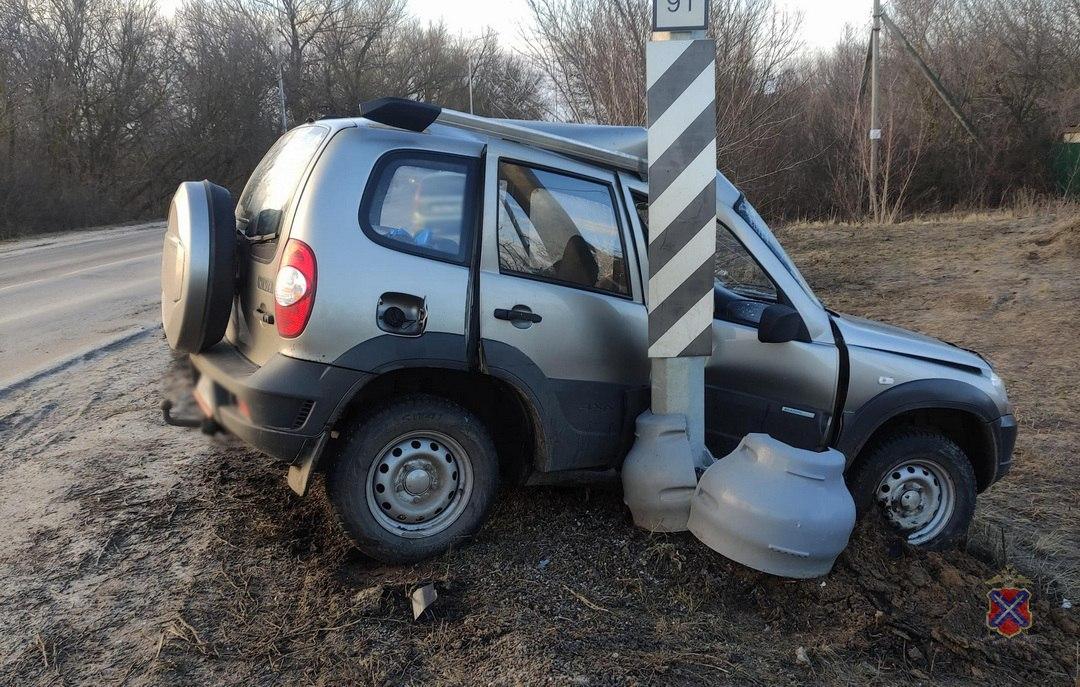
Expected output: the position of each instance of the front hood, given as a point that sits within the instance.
(858, 331)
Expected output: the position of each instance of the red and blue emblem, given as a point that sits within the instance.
(1010, 612)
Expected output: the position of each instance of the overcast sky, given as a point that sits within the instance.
(823, 20)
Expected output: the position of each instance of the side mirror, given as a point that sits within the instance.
(781, 323)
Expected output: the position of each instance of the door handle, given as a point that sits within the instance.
(517, 315)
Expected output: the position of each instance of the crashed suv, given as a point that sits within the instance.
(422, 303)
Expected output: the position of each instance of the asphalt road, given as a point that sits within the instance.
(66, 295)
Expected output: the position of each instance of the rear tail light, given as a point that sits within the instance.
(294, 289)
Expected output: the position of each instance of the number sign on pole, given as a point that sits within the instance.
(680, 15)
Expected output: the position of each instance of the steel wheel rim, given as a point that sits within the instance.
(917, 497)
(419, 484)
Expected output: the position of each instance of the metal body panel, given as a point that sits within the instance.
(748, 383)
(353, 271)
(628, 140)
(864, 333)
(589, 350)
(787, 390)
(258, 265)
(511, 130)
(584, 367)
(875, 371)
(603, 333)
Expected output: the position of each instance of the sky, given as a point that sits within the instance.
(823, 20)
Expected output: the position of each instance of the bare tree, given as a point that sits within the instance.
(105, 105)
(593, 54)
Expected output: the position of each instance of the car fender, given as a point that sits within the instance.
(920, 394)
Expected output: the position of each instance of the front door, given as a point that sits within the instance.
(785, 390)
(561, 310)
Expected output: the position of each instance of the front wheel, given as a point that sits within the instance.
(414, 478)
(922, 484)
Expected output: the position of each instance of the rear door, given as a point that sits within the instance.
(562, 314)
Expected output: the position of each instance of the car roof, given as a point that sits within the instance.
(627, 140)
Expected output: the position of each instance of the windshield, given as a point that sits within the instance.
(273, 182)
(754, 220)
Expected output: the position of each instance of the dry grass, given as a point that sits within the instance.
(1004, 284)
(140, 554)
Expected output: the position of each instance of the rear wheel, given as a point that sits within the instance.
(923, 486)
(414, 478)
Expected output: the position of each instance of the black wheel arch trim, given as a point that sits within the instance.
(923, 394)
(438, 350)
(564, 440)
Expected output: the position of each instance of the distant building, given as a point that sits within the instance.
(1067, 161)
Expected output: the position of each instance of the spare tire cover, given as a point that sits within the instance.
(197, 266)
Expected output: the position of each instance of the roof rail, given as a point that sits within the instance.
(413, 115)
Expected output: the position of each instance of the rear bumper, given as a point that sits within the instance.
(281, 408)
(1003, 431)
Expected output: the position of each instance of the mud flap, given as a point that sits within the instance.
(775, 508)
(300, 472)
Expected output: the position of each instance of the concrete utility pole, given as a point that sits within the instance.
(932, 78)
(281, 99)
(660, 472)
(875, 122)
(471, 85)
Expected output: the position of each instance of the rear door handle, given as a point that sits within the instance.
(517, 315)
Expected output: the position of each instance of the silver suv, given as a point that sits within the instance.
(422, 303)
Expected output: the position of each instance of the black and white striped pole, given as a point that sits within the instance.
(660, 473)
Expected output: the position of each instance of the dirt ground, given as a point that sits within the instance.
(136, 553)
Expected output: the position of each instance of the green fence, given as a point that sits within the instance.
(1067, 168)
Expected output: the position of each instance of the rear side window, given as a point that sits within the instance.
(560, 228)
(421, 203)
(274, 181)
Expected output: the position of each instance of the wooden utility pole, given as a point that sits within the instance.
(875, 122)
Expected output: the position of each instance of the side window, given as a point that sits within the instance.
(641, 205)
(560, 228)
(736, 269)
(417, 203)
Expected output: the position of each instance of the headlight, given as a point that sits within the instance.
(996, 381)
(999, 386)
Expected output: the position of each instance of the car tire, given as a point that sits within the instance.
(905, 475)
(413, 478)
